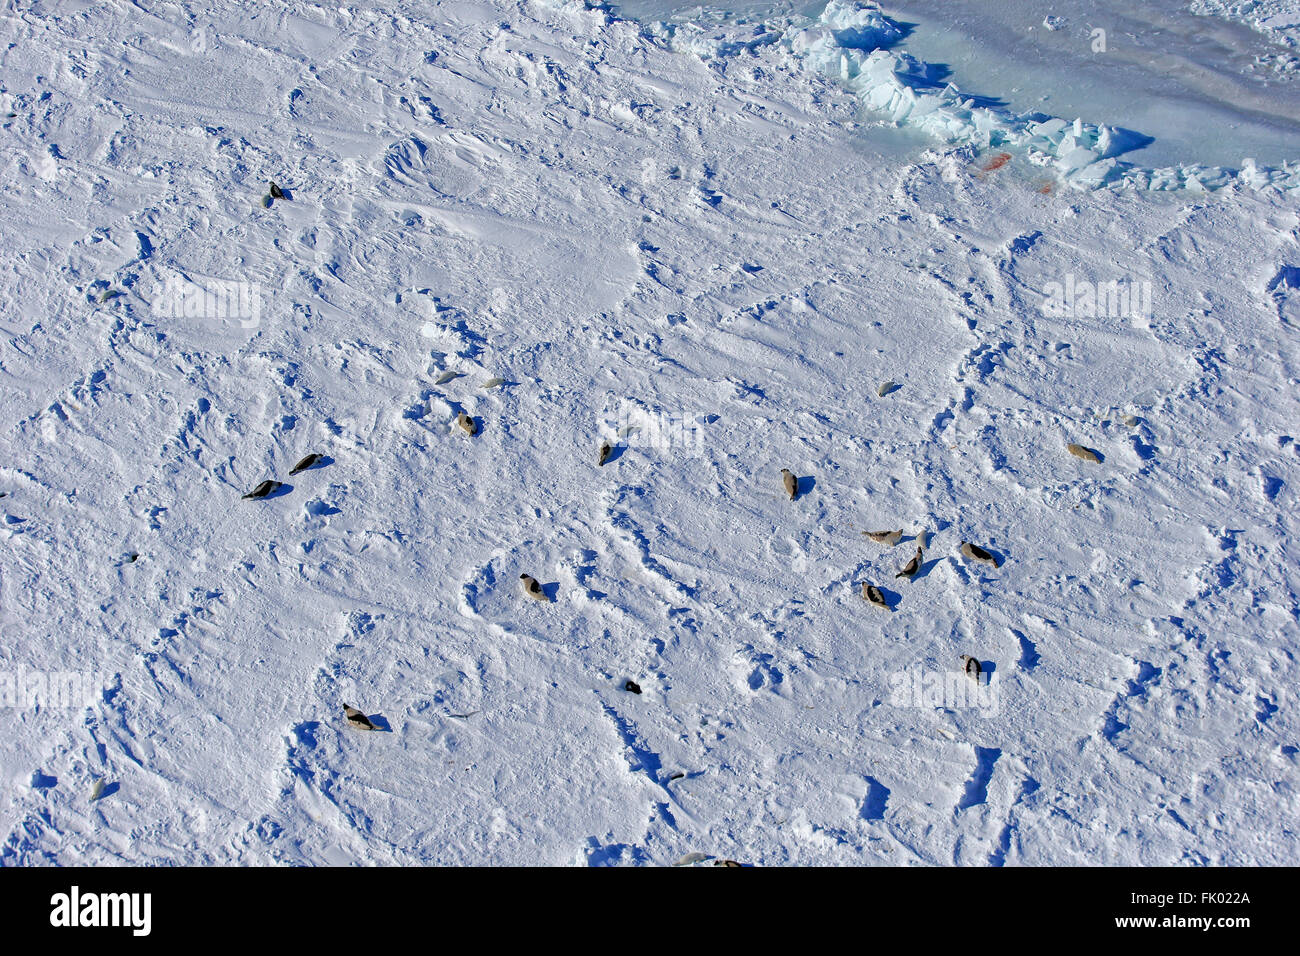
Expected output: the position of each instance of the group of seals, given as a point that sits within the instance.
(790, 483)
(872, 593)
(270, 487)
(876, 597)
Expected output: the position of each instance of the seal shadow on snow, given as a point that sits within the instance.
(1029, 656)
(381, 723)
(999, 556)
(921, 572)
(876, 800)
(1287, 277)
(684, 775)
(892, 598)
(1272, 486)
(108, 791)
(977, 787)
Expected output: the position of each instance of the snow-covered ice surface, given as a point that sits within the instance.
(1279, 19)
(725, 249)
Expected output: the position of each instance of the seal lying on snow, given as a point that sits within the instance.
(308, 462)
(912, 566)
(533, 588)
(890, 538)
(358, 719)
(976, 553)
(265, 488)
(875, 596)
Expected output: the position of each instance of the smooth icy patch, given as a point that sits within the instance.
(1072, 108)
(1195, 86)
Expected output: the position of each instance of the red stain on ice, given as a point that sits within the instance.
(997, 162)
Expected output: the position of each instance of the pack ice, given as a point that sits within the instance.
(576, 233)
